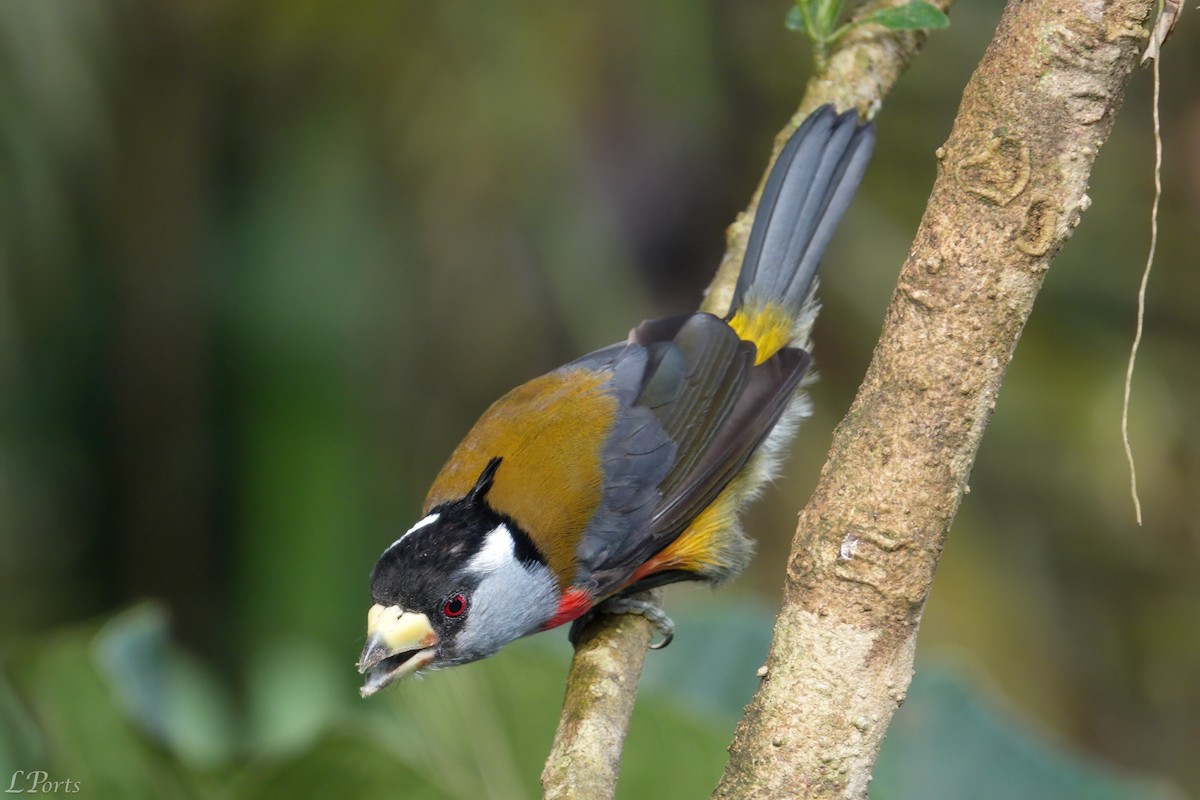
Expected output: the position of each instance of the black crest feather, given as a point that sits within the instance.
(480, 490)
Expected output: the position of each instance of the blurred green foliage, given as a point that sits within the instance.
(262, 264)
(121, 711)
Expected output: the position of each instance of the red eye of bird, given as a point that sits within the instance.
(455, 606)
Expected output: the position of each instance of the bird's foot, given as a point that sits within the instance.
(628, 605)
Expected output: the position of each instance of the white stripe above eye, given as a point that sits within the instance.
(432, 518)
(496, 553)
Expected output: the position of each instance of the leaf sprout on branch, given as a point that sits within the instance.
(818, 19)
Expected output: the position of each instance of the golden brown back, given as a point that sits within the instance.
(549, 432)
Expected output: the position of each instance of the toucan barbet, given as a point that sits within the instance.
(624, 469)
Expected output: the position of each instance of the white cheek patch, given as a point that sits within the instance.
(432, 518)
(497, 552)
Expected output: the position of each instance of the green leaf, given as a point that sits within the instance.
(915, 15)
(817, 18)
(794, 21)
(101, 739)
(279, 672)
(825, 14)
(169, 695)
(948, 741)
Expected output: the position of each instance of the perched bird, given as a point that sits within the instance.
(625, 469)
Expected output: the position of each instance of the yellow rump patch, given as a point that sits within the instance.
(769, 328)
(701, 548)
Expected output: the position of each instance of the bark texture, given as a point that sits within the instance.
(1010, 189)
(585, 758)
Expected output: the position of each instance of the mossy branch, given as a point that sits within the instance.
(585, 758)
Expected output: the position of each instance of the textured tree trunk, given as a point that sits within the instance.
(1010, 189)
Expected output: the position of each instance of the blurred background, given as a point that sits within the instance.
(263, 264)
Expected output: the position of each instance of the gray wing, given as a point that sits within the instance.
(693, 409)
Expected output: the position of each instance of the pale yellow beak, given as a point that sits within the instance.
(399, 643)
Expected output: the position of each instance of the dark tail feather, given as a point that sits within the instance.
(807, 192)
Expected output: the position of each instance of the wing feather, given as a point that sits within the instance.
(702, 397)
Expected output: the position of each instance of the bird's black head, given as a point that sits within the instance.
(460, 584)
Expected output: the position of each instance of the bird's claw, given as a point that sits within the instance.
(628, 605)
